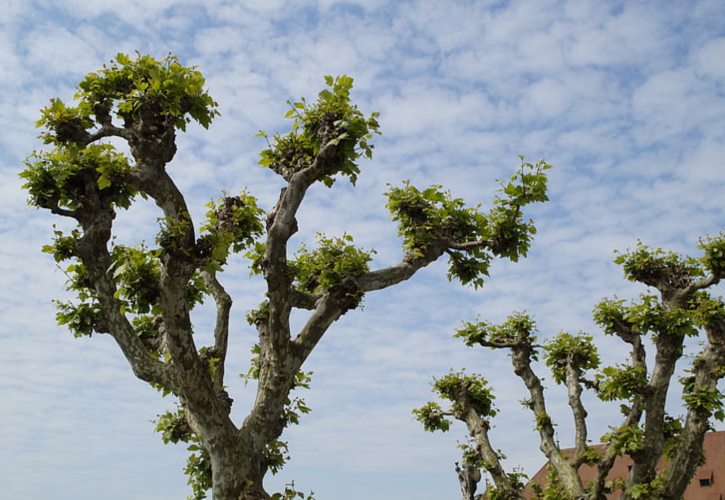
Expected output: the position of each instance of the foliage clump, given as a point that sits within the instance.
(431, 217)
(332, 126)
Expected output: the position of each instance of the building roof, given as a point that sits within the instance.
(708, 483)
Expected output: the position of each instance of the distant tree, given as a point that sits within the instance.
(681, 309)
(142, 295)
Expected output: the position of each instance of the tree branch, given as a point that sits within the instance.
(108, 130)
(281, 225)
(221, 328)
(574, 390)
(389, 276)
(638, 356)
(328, 310)
(708, 370)
(210, 410)
(63, 212)
(468, 245)
(607, 462)
(521, 359)
(302, 300)
(94, 255)
(478, 429)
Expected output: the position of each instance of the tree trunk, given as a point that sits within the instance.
(468, 477)
(237, 474)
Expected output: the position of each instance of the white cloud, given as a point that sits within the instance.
(58, 51)
(710, 59)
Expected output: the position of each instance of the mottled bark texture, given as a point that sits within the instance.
(522, 355)
(468, 478)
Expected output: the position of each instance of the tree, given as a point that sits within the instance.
(142, 295)
(681, 309)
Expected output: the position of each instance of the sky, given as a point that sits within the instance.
(625, 99)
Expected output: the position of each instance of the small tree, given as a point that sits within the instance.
(681, 309)
(142, 295)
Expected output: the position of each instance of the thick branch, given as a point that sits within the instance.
(634, 415)
(668, 352)
(221, 328)
(679, 297)
(210, 411)
(478, 429)
(607, 462)
(328, 310)
(95, 257)
(521, 359)
(468, 478)
(302, 300)
(281, 225)
(389, 276)
(108, 130)
(643, 470)
(574, 390)
(701, 284)
(467, 245)
(57, 210)
(708, 368)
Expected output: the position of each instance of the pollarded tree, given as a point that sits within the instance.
(681, 309)
(142, 295)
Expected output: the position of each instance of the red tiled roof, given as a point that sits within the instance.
(708, 483)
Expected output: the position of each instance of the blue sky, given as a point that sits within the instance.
(626, 99)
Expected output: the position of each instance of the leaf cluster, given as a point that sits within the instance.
(147, 329)
(433, 218)
(144, 88)
(649, 315)
(466, 391)
(518, 481)
(137, 274)
(432, 417)
(656, 267)
(714, 258)
(330, 122)
(708, 311)
(276, 454)
(137, 271)
(620, 382)
(565, 350)
(198, 468)
(708, 400)
(232, 224)
(554, 489)
(63, 247)
(508, 235)
(518, 329)
(65, 177)
(81, 319)
(84, 317)
(173, 427)
(63, 124)
(331, 267)
(644, 491)
(627, 439)
(295, 407)
(290, 493)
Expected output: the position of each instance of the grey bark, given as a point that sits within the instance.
(468, 478)
(669, 349)
(521, 356)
